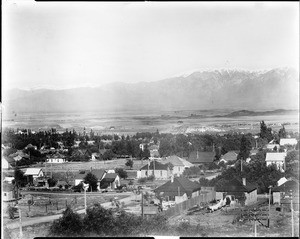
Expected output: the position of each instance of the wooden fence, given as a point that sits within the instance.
(204, 197)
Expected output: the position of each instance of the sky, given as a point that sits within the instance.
(73, 44)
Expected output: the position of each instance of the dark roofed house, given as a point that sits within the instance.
(111, 180)
(178, 186)
(229, 156)
(99, 173)
(282, 193)
(155, 168)
(198, 158)
(235, 187)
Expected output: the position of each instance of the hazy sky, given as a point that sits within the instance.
(62, 45)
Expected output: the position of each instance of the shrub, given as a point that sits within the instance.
(99, 220)
(130, 182)
(142, 180)
(11, 211)
(69, 224)
(151, 178)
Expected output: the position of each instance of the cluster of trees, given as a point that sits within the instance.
(105, 222)
(255, 171)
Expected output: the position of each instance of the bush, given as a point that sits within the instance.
(142, 180)
(151, 178)
(11, 211)
(99, 220)
(69, 224)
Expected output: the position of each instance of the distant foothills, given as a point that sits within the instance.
(228, 89)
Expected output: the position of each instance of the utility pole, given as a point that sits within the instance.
(292, 213)
(142, 194)
(269, 205)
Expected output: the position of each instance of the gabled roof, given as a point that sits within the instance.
(236, 185)
(230, 156)
(32, 171)
(275, 156)
(156, 166)
(97, 172)
(177, 161)
(287, 187)
(201, 157)
(180, 185)
(291, 141)
(111, 175)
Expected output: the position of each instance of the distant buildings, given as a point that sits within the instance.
(288, 141)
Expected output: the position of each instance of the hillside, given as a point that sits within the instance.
(230, 89)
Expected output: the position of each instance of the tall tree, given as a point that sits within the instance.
(92, 180)
(282, 133)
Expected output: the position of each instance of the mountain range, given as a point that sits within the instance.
(217, 89)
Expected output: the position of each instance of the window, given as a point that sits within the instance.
(5, 194)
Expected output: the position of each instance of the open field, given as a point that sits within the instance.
(76, 166)
(165, 121)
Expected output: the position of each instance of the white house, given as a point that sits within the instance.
(276, 158)
(159, 170)
(55, 160)
(288, 141)
(179, 164)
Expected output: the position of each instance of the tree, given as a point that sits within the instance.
(292, 164)
(282, 133)
(92, 180)
(52, 182)
(108, 155)
(129, 163)
(20, 180)
(265, 132)
(245, 148)
(121, 172)
(69, 224)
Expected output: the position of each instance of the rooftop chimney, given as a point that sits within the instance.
(244, 181)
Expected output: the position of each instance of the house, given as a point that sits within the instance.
(276, 158)
(159, 170)
(55, 159)
(234, 187)
(281, 191)
(90, 142)
(34, 172)
(111, 180)
(95, 156)
(154, 153)
(17, 156)
(8, 192)
(31, 146)
(198, 158)
(288, 141)
(76, 143)
(179, 164)
(229, 157)
(8, 162)
(62, 184)
(99, 173)
(178, 189)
